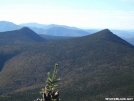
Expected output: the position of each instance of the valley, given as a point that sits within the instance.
(92, 67)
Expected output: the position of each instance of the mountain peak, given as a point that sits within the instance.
(25, 29)
(31, 34)
(107, 35)
(23, 35)
(105, 31)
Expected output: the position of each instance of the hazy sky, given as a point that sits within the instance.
(118, 14)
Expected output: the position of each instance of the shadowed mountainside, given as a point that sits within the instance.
(23, 35)
(91, 68)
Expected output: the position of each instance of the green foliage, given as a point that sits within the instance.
(51, 83)
(92, 67)
(51, 80)
(21, 96)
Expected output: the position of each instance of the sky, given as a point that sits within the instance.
(112, 14)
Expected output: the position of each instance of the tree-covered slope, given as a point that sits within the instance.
(23, 35)
(55, 38)
(91, 68)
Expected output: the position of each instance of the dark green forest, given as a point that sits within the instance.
(92, 67)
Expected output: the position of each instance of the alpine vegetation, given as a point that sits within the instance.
(49, 93)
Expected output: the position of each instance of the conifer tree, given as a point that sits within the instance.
(48, 92)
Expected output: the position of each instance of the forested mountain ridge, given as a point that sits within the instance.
(62, 30)
(23, 35)
(91, 67)
(54, 30)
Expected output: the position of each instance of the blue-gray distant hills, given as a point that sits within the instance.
(8, 26)
(56, 30)
(127, 35)
(62, 30)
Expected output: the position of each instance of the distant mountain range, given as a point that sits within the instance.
(33, 25)
(8, 26)
(62, 30)
(54, 30)
(91, 67)
(127, 35)
(130, 40)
